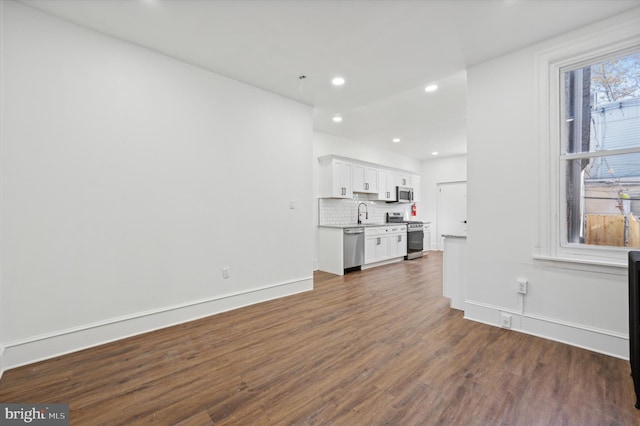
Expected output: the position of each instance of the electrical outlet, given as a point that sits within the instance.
(225, 272)
(505, 320)
(522, 286)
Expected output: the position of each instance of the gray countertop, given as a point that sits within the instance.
(362, 225)
(370, 225)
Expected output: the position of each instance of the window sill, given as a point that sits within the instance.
(587, 265)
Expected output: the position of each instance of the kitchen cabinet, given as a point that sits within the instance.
(403, 179)
(365, 179)
(426, 242)
(386, 185)
(384, 243)
(389, 180)
(398, 241)
(340, 177)
(376, 248)
(417, 189)
(335, 178)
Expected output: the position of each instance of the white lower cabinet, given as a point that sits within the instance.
(426, 243)
(375, 248)
(398, 242)
(384, 243)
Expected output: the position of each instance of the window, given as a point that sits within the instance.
(600, 152)
(588, 126)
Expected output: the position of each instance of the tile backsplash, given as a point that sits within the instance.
(333, 211)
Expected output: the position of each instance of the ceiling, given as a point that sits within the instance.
(387, 51)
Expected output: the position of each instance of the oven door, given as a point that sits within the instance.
(415, 240)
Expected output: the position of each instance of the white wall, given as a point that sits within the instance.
(129, 180)
(440, 170)
(584, 307)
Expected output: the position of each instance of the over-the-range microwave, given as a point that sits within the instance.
(404, 194)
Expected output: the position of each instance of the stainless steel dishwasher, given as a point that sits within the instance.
(353, 248)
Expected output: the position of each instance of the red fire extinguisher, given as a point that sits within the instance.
(413, 209)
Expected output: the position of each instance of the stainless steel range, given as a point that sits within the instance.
(415, 234)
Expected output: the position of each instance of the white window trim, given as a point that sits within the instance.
(604, 39)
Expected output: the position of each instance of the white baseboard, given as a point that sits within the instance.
(38, 348)
(602, 341)
(382, 262)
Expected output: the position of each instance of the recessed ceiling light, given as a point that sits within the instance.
(337, 118)
(396, 140)
(338, 81)
(431, 88)
(434, 153)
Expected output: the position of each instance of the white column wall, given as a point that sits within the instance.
(129, 180)
(576, 304)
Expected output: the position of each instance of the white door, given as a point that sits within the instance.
(452, 210)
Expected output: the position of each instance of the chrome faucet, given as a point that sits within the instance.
(366, 212)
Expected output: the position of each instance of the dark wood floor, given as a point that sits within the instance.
(370, 348)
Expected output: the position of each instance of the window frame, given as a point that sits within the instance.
(611, 38)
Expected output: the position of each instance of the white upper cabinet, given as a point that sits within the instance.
(340, 177)
(403, 179)
(335, 178)
(417, 189)
(386, 185)
(365, 179)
